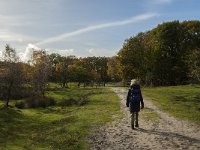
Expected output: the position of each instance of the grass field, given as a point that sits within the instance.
(180, 101)
(58, 127)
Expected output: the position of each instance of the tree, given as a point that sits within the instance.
(168, 66)
(97, 67)
(114, 69)
(40, 62)
(62, 68)
(160, 56)
(12, 77)
(131, 57)
(194, 65)
(78, 74)
(54, 61)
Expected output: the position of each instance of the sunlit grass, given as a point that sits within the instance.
(180, 101)
(58, 127)
(150, 115)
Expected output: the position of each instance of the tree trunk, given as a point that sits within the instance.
(7, 103)
(63, 84)
(79, 84)
(8, 95)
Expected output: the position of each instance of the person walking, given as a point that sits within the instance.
(133, 101)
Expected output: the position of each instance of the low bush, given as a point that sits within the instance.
(36, 101)
(17, 94)
(71, 101)
(20, 104)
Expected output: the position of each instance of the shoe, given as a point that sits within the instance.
(137, 125)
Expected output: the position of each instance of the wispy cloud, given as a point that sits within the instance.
(7, 36)
(65, 52)
(162, 1)
(99, 52)
(131, 20)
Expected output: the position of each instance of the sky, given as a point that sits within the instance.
(84, 27)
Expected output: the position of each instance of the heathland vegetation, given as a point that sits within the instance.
(66, 125)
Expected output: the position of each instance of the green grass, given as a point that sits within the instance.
(149, 115)
(58, 127)
(181, 101)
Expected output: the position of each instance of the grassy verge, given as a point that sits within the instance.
(58, 127)
(180, 101)
(150, 115)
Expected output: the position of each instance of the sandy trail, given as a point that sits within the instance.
(168, 133)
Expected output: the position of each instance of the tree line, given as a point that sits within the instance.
(166, 55)
(19, 79)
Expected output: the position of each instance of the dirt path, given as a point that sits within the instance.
(166, 133)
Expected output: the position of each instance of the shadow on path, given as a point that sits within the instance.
(169, 134)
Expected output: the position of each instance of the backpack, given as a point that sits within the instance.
(135, 94)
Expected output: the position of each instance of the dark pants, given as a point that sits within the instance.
(134, 117)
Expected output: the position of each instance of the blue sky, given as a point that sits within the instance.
(84, 27)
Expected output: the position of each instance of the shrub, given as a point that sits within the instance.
(71, 101)
(20, 104)
(39, 101)
(36, 101)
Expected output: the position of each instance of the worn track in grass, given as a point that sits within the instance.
(167, 132)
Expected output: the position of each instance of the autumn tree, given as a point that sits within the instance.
(11, 76)
(40, 71)
(62, 69)
(114, 69)
(54, 61)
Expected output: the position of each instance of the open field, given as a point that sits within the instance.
(60, 126)
(181, 101)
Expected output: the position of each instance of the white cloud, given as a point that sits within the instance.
(134, 19)
(100, 52)
(162, 1)
(65, 52)
(1, 55)
(91, 50)
(26, 56)
(8, 36)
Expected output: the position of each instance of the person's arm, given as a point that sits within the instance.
(128, 98)
(142, 102)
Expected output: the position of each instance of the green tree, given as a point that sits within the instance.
(62, 68)
(194, 65)
(114, 69)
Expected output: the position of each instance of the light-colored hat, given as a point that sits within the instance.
(133, 82)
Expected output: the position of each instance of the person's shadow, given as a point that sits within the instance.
(170, 135)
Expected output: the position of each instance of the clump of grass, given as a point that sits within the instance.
(181, 101)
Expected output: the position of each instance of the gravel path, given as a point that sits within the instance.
(167, 133)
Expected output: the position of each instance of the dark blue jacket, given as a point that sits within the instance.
(134, 98)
